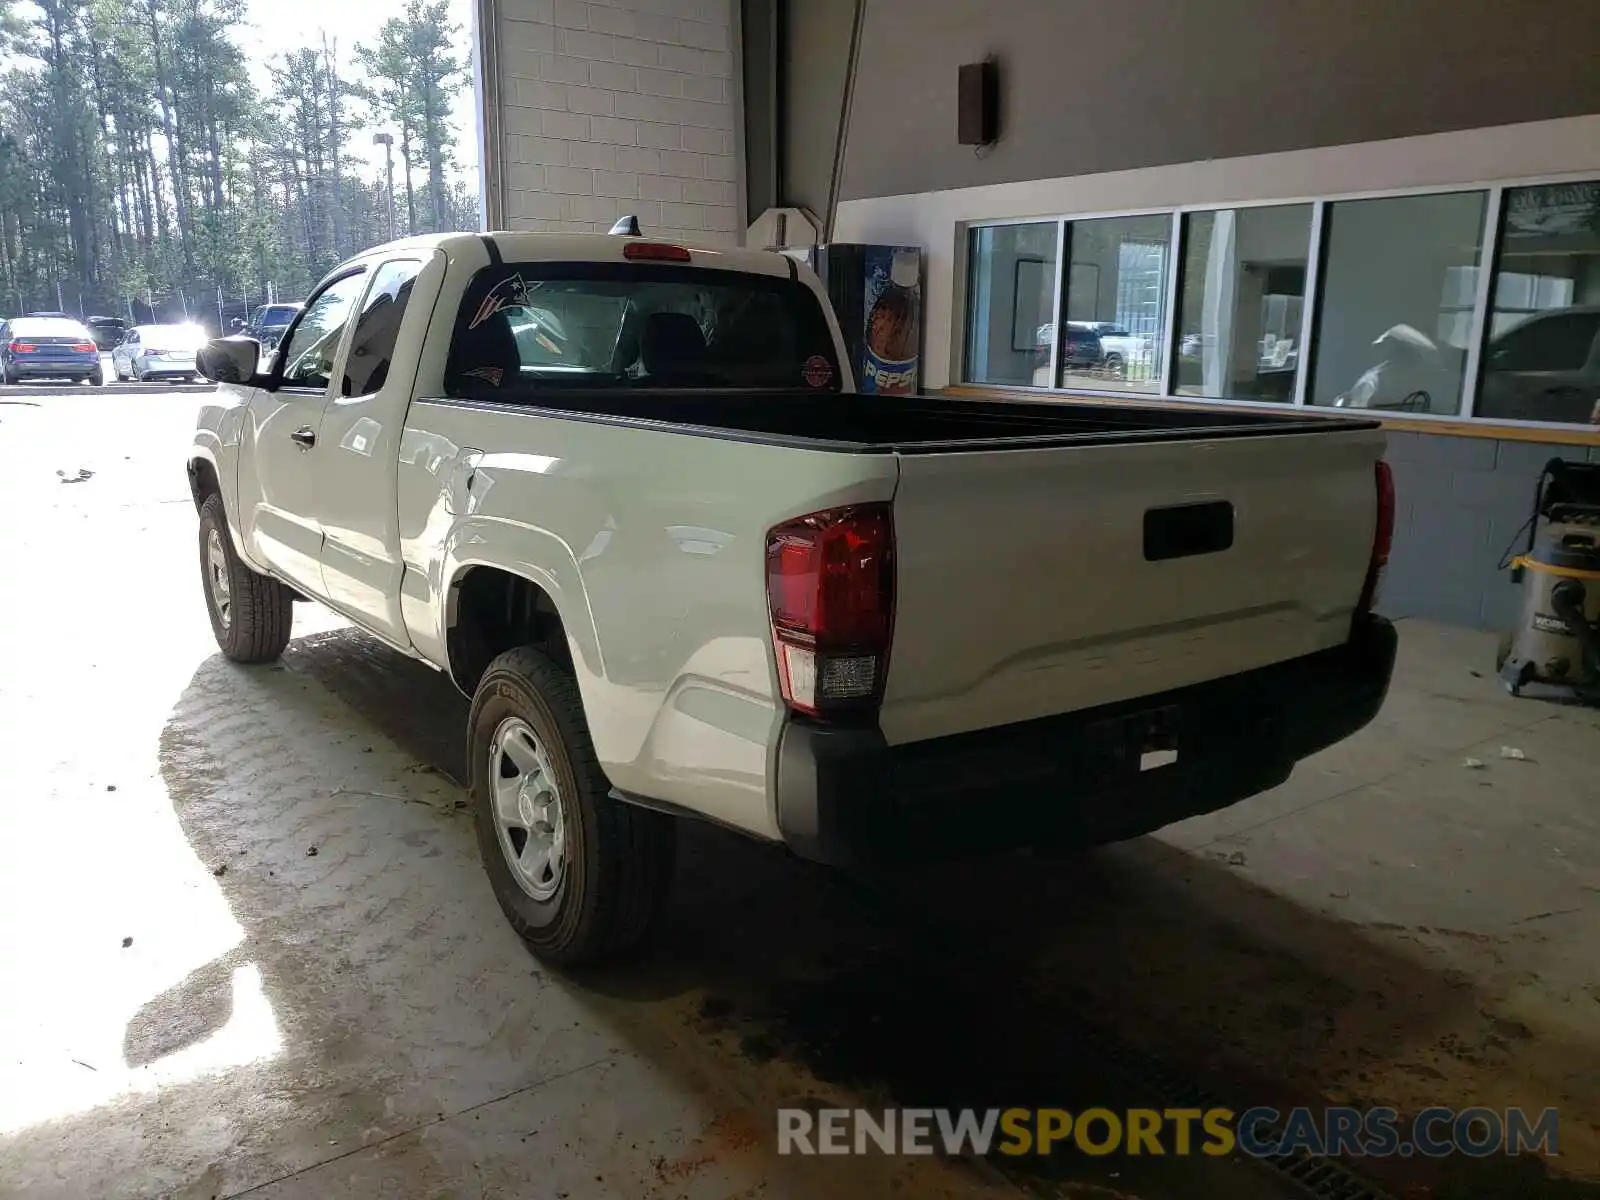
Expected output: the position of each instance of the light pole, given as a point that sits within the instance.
(386, 140)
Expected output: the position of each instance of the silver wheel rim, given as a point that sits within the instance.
(217, 578)
(528, 813)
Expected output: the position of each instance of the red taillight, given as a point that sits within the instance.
(1382, 537)
(654, 252)
(23, 347)
(84, 347)
(830, 591)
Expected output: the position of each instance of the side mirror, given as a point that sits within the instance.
(229, 359)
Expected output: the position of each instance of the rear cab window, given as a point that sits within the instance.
(530, 328)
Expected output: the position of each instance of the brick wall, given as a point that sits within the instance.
(610, 107)
(1460, 503)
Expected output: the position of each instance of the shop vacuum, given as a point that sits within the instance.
(1555, 649)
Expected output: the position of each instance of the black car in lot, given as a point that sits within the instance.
(1082, 349)
(48, 347)
(270, 322)
(108, 331)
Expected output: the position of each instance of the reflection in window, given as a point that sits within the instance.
(1116, 291)
(1542, 358)
(1389, 333)
(1013, 273)
(377, 334)
(308, 358)
(1240, 303)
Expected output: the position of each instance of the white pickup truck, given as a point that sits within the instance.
(623, 493)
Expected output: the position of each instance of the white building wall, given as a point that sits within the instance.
(609, 107)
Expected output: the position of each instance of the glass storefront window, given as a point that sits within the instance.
(1398, 304)
(1240, 302)
(1012, 279)
(1541, 361)
(1395, 276)
(1115, 301)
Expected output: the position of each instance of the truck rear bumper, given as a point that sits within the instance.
(845, 797)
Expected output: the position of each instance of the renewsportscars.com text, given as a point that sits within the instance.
(1258, 1132)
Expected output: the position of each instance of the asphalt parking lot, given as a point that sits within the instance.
(250, 950)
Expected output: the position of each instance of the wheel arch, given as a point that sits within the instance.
(204, 479)
(491, 608)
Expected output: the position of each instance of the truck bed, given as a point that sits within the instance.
(1049, 557)
(918, 424)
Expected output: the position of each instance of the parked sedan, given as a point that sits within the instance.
(48, 348)
(158, 352)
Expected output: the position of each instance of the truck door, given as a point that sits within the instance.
(281, 447)
(359, 445)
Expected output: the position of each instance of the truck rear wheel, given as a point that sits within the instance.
(251, 614)
(581, 877)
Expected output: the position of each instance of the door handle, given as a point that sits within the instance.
(304, 437)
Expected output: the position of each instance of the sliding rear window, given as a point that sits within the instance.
(530, 328)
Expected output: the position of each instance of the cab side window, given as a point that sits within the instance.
(308, 356)
(372, 347)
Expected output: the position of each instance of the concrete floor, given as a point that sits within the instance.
(197, 1005)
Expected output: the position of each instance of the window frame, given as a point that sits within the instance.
(1491, 242)
(373, 272)
(281, 351)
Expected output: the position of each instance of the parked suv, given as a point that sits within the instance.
(269, 323)
(1121, 347)
(108, 331)
(48, 348)
(1082, 351)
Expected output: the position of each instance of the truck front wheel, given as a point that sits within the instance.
(251, 614)
(581, 876)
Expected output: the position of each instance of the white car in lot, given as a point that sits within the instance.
(623, 492)
(149, 352)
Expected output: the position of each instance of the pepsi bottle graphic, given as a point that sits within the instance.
(893, 324)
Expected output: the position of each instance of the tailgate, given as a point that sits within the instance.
(1023, 587)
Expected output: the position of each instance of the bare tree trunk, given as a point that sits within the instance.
(169, 128)
(105, 134)
(214, 148)
(336, 145)
(432, 120)
(75, 188)
(411, 195)
(162, 225)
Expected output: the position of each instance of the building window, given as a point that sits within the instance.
(1240, 302)
(1012, 273)
(1115, 303)
(1389, 333)
(1541, 361)
(1400, 304)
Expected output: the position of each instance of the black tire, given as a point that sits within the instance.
(260, 610)
(619, 859)
(98, 379)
